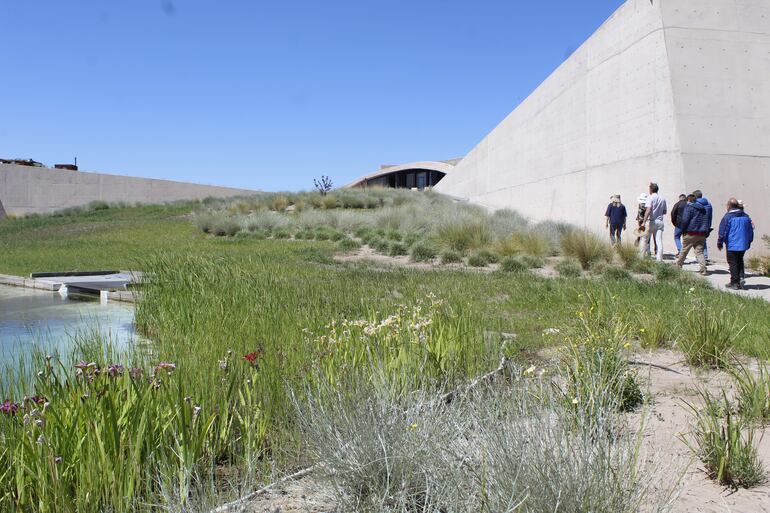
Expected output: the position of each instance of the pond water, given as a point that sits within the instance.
(32, 319)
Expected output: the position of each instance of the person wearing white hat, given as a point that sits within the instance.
(640, 232)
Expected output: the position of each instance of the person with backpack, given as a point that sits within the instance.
(694, 225)
(676, 214)
(736, 233)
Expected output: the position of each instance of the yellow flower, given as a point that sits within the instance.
(626, 345)
(575, 401)
(413, 426)
(642, 330)
(530, 370)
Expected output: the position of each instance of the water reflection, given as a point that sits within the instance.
(32, 319)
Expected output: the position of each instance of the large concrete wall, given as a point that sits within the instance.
(672, 91)
(27, 190)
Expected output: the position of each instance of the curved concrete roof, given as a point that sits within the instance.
(429, 165)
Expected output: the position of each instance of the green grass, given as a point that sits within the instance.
(215, 299)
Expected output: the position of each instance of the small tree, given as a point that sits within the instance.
(323, 185)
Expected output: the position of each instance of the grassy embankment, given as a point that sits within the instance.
(283, 303)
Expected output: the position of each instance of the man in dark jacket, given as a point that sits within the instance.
(709, 215)
(676, 214)
(736, 233)
(694, 225)
(615, 216)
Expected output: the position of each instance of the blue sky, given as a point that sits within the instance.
(268, 95)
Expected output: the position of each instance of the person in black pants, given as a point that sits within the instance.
(736, 233)
(615, 217)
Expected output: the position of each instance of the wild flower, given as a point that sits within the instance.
(223, 365)
(135, 372)
(36, 399)
(253, 358)
(165, 366)
(84, 367)
(9, 407)
(115, 370)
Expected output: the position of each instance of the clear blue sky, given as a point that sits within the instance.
(268, 95)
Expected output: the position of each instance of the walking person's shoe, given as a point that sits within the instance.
(703, 272)
(733, 286)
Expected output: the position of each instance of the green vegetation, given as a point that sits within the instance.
(269, 335)
(585, 247)
(725, 444)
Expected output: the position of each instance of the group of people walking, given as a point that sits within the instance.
(692, 217)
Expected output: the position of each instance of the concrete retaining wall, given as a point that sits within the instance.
(27, 190)
(672, 91)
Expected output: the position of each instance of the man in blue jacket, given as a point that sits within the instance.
(709, 215)
(736, 233)
(694, 225)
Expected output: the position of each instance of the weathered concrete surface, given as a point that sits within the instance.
(672, 91)
(27, 190)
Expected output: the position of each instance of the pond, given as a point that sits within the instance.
(32, 319)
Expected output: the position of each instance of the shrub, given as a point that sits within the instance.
(533, 262)
(513, 264)
(643, 266)
(279, 203)
(613, 273)
(423, 252)
(725, 445)
(281, 233)
(451, 257)
(654, 331)
(98, 205)
(304, 235)
(205, 222)
(226, 227)
(477, 260)
(569, 269)
(380, 245)
(489, 256)
(586, 247)
(410, 239)
(348, 244)
(707, 336)
(760, 264)
(463, 236)
(328, 202)
(628, 254)
(597, 376)
(394, 235)
(752, 391)
(398, 249)
(530, 243)
(665, 272)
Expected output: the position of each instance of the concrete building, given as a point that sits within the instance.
(671, 91)
(413, 175)
(28, 190)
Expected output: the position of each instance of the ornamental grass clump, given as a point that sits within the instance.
(594, 362)
(449, 256)
(725, 443)
(586, 247)
(463, 236)
(752, 390)
(423, 252)
(569, 268)
(513, 264)
(707, 335)
(627, 253)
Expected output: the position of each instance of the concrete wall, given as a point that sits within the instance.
(719, 57)
(672, 91)
(26, 190)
